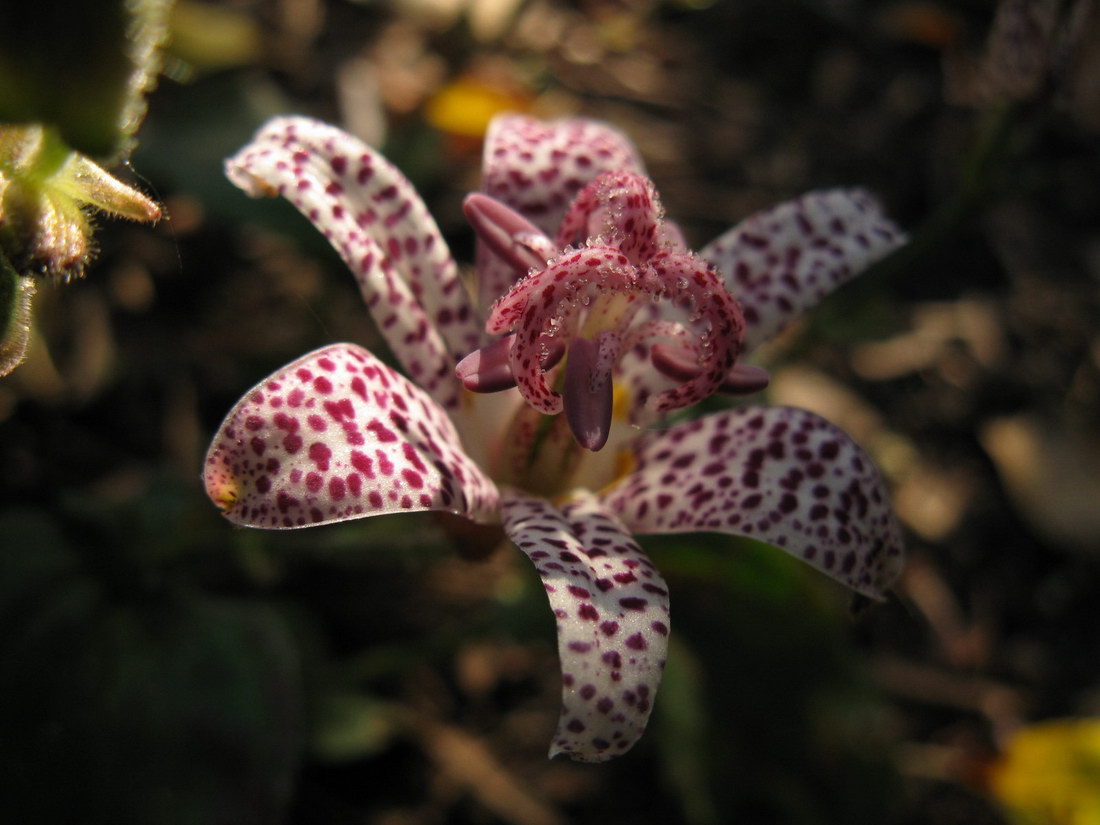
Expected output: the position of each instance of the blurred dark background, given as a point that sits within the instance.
(160, 666)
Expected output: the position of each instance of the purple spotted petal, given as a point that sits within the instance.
(777, 474)
(612, 615)
(781, 262)
(339, 435)
(537, 169)
(376, 221)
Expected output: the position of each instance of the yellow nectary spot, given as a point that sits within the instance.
(620, 403)
(224, 494)
(624, 463)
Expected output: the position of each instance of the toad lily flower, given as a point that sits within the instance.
(589, 304)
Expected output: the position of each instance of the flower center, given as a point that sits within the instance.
(614, 298)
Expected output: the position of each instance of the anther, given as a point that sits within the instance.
(489, 369)
(587, 392)
(680, 365)
(507, 233)
(745, 379)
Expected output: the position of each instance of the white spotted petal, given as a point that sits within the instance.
(777, 474)
(339, 435)
(380, 226)
(611, 607)
(781, 262)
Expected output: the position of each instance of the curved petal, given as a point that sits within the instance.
(622, 209)
(636, 374)
(612, 614)
(375, 219)
(338, 435)
(715, 317)
(537, 169)
(781, 262)
(778, 474)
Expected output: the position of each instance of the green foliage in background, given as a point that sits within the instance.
(81, 67)
(125, 695)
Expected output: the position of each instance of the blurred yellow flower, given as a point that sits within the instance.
(1050, 774)
(464, 107)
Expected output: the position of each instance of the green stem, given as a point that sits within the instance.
(16, 292)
